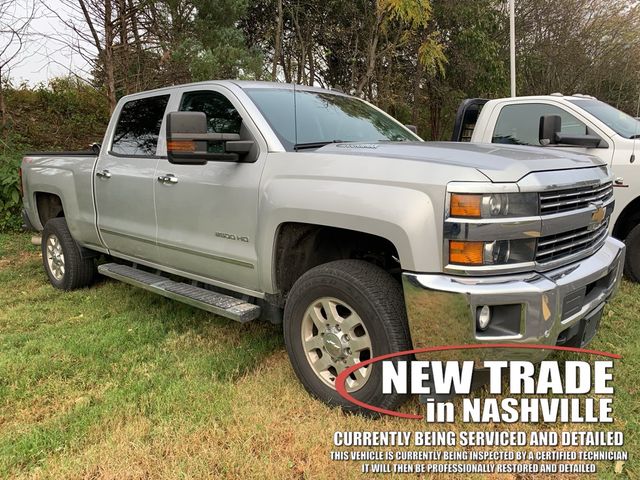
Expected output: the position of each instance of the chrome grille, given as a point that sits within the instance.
(574, 198)
(553, 247)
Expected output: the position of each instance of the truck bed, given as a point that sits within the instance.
(67, 176)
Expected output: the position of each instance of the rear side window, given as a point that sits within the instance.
(138, 126)
(520, 124)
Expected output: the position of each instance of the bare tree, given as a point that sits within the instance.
(109, 37)
(15, 18)
(277, 42)
(90, 32)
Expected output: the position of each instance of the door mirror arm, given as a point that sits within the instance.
(188, 141)
(549, 133)
(586, 141)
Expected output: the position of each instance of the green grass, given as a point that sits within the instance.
(115, 382)
(74, 362)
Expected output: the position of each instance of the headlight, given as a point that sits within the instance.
(497, 252)
(494, 205)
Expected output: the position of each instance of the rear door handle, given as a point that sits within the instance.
(103, 174)
(168, 179)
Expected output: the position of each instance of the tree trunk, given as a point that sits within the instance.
(417, 80)
(108, 56)
(3, 105)
(371, 64)
(138, 45)
(286, 65)
(124, 64)
(278, 43)
(372, 53)
(312, 67)
(435, 111)
(302, 52)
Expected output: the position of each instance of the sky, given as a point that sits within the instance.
(43, 57)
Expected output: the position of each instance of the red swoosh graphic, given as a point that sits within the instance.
(342, 390)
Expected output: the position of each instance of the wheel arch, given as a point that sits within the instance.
(627, 219)
(48, 205)
(299, 247)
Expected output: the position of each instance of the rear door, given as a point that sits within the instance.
(208, 214)
(125, 178)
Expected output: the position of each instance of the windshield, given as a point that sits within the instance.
(324, 118)
(623, 124)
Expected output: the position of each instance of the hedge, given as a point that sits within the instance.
(66, 114)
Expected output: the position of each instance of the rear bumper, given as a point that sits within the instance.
(560, 307)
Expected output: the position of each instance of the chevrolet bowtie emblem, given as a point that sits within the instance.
(598, 216)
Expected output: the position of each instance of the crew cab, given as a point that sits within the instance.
(318, 210)
(575, 123)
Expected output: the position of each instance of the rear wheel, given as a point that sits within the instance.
(66, 268)
(632, 258)
(338, 315)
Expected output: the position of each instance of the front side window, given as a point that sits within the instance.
(520, 124)
(139, 125)
(308, 117)
(222, 116)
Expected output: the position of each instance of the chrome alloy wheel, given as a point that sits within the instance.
(334, 337)
(55, 257)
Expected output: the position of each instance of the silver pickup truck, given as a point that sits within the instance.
(318, 210)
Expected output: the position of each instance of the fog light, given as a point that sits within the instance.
(484, 317)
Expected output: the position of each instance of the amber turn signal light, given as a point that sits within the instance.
(466, 253)
(181, 146)
(463, 205)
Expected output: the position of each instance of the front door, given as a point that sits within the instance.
(125, 178)
(519, 124)
(207, 214)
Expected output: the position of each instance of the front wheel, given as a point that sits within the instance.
(632, 258)
(66, 268)
(338, 315)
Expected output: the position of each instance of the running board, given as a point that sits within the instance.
(218, 303)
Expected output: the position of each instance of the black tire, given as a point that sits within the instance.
(632, 258)
(379, 302)
(78, 271)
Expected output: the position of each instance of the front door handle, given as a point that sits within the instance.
(168, 178)
(619, 182)
(103, 174)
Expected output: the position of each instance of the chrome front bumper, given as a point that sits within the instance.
(559, 307)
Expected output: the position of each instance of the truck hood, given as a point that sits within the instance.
(499, 163)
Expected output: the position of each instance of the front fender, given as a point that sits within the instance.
(404, 216)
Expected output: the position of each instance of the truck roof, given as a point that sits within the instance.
(244, 84)
(552, 96)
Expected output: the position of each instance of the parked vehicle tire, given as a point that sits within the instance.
(341, 313)
(66, 268)
(632, 258)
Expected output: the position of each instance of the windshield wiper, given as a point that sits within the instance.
(304, 146)
(632, 137)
